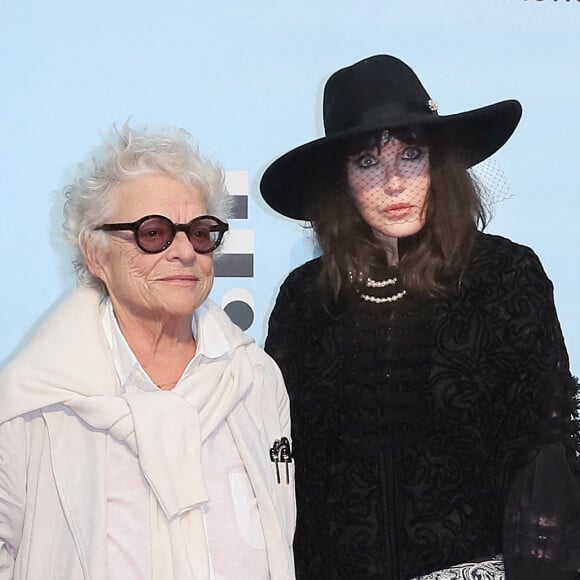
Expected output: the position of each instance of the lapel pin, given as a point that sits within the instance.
(281, 452)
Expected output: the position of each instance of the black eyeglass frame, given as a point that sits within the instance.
(220, 226)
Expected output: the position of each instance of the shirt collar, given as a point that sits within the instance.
(211, 343)
(210, 338)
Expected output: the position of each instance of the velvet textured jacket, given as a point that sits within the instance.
(430, 432)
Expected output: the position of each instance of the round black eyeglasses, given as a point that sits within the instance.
(155, 233)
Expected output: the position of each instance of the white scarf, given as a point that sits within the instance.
(169, 452)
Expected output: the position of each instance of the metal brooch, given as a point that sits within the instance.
(433, 106)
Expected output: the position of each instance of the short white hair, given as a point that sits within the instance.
(130, 153)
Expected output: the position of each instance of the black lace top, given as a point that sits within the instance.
(432, 432)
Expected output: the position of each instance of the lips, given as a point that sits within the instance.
(180, 278)
(399, 206)
(399, 209)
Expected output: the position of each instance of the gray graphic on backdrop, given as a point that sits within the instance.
(236, 260)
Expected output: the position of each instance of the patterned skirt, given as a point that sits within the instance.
(485, 570)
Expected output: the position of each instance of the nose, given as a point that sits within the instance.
(181, 249)
(393, 182)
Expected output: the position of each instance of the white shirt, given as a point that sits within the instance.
(234, 532)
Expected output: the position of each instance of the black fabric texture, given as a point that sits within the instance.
(430, 432)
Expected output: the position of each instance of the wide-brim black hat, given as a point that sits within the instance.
(382, 92)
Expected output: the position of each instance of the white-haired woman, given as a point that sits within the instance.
(141, 432)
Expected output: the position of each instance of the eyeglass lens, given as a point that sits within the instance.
(156, 233)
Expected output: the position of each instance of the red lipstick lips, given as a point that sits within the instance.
(399, 209)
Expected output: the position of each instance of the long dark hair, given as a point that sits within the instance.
(431, 258)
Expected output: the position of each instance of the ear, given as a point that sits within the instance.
(94, 256)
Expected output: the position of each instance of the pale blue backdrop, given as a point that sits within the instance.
(246, 78)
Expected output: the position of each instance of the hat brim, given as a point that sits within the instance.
(472, 136)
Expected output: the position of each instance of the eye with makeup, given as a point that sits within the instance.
(413, 153)
(368, 159)
(364, 160)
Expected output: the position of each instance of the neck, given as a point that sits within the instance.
(391, 246)
(163, 347)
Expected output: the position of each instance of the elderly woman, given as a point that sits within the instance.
(431, 398)
(142, 434)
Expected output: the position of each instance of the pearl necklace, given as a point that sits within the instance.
(380, 283)
(370, 283)
(378, 300)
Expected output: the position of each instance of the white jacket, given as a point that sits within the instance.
(52, 465)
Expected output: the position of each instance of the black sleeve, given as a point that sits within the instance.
(282, 329)
(540, 441)
(294, 322)
(295, 335)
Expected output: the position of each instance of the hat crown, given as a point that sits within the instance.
(378, 89)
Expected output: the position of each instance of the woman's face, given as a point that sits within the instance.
(390, 186)
(170, 284)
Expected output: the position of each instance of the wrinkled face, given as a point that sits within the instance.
(172, 283)
(390, 186)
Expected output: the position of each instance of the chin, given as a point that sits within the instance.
(402, 230)
(183, 305)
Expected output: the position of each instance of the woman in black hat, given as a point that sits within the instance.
(434, 414)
